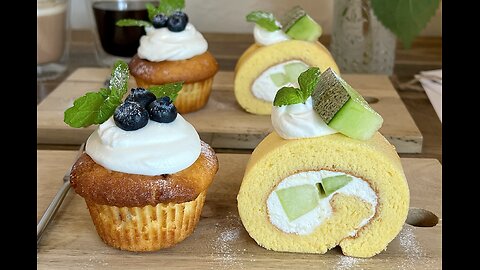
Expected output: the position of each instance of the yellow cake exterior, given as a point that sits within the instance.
(374, 160)
(256, 59)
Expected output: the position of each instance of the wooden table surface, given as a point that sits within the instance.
(220, 240)
(222, 123)
(425, 54)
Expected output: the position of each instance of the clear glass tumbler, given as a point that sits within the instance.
(114, 42)
(53, 38)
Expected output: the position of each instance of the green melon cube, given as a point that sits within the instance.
(344, 109)
(298, 200)
(279, 79)
(356, 121)
(293, 70)
(298, 25)
(305, 29)
(333, 183)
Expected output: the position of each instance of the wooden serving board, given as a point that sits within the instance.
(219, 240)
(222, 122)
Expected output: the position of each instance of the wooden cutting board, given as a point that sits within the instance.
(220, 241)
(223, 123)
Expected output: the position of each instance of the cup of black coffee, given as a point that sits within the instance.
(114, 42)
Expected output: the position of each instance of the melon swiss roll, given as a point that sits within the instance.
(283, 49)
(325, 176)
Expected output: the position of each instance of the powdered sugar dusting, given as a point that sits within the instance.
(413, 250)
(225, 253)
(346, 262)
(229, 236)
(94, 261)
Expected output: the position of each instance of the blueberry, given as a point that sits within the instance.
(162, 110)
(130, 116)
(177, 21)
(159, 20)
(141, 96)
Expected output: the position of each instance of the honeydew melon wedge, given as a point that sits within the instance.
(344, 109)
(298, 200)
(333, 183)
(279, 79)
(298, 25)
(293, 70)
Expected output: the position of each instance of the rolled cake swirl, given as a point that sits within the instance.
(309, 195)
(260, 60)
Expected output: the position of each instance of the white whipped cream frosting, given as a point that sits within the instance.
(157, 148)
(307, 223)
(161, 44)
(265, 37)
(299, 121)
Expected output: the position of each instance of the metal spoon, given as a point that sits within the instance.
(57, 200)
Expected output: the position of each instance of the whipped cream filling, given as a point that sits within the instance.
(162, 44)
(265, 37)
(299, 121)
(307, 223)
(157, 148)
(264, 88)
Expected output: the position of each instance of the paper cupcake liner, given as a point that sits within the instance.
(146, 228)
(193, 96)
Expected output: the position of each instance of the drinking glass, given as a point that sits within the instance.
(114, 42)
(52, 38)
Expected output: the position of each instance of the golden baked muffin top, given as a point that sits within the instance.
(195, 69)
(94, 182)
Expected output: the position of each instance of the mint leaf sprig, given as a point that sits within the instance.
(133, 22)
(307, 81)
(94, 108)
(166, 90)
(151, 10)
(167, 7)
(266, 20)
(97, 107)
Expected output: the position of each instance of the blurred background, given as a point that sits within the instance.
(228, 16)
(223, 24)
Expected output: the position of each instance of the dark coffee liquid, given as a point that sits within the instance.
(116, 40)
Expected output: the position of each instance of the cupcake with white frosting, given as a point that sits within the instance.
(173, 50)
(145, 172)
